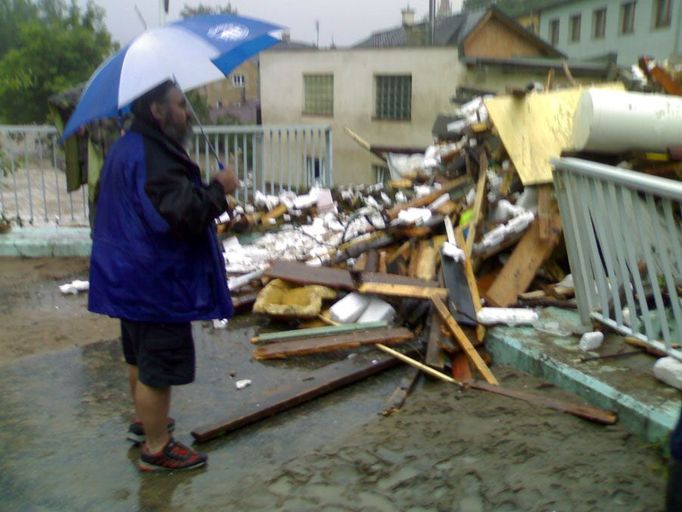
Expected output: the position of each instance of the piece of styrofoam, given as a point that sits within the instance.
(378, 310)
(591, 341)
(508, 316)
(349, 309)
(669, 370)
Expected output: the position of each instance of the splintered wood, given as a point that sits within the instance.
(305, 346)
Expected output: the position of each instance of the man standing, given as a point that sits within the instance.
(157, 265)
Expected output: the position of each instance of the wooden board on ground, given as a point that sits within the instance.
(300, 273)
(520, 269)
(398, 397)
(582, 411)
(283, 397)
(343, 341)
(316, 332)
(463, 341)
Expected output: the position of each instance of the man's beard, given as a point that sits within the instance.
(179, 134)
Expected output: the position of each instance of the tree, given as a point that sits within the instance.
(201, 9)
(12, 13)
(58, 47)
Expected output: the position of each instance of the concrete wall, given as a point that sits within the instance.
(435, 74)
(646, 39)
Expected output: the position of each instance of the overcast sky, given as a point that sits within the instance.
(346, 21)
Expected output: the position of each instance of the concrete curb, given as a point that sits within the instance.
(51, 241)
(652, 423)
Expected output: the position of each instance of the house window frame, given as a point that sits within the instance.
(662, 15)
(574, 28)
(393, 97)
(599, 25)
(627, 23)
(554, 31)
(239, 80)
(316, 100)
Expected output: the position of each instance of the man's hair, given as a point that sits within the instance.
(141, 107)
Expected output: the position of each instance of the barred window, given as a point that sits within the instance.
(394, 97)
(554, 32)
(627, 17)
(575, 28)
(318, 92)
(662, 13)
(238, 80)
(599, 23)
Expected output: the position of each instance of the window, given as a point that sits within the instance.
(318, 93)
(238, 80)
(394, 97)
(627, 17)
(575, 28)
(599, 23)
(554, 32)
(662, 13)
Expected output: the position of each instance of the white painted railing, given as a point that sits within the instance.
(623, 235)
(269, 159)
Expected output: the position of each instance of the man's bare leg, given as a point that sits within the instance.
(132, 381)
(152, 406)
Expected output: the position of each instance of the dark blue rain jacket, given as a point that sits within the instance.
(155, 254)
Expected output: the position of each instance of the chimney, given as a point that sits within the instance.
(408, 16)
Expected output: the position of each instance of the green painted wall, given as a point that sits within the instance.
(646, 39)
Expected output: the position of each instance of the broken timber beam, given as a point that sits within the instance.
(316, 332)
(527, 257)
(427, 199)
(462, 339)
(319, 382)
(398, 397)
(582, 411)
(402, 290)
(353, 339)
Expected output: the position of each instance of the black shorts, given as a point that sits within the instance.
(163, 353)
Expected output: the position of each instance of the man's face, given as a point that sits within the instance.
(174, 117)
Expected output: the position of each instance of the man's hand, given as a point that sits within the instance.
(228, 179)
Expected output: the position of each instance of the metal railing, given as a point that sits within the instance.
(269, 159)
(624, 241)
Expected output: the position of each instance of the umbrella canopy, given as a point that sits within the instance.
(192, 52)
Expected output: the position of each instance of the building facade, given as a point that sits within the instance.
(628, 28)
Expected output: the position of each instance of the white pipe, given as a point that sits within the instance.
(617, 121)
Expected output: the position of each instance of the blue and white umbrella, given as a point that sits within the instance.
(191, 52)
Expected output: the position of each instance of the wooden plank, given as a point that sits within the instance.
(435, 356)
(398, 397)
(478, 204)
(316, 332)
(372, 261)
(459, 294)
(463, 341)
(426, 263)
(353, 339)
(275, 213)
(582, 411)
(401, 252)
(283, 397)
(461, 371)
(520, 269)
(401, 290)
(300, 273)
(544, 211)
(473, 284)
(382, 262)
(377, 278)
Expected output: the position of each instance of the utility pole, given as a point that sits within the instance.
(317, 29)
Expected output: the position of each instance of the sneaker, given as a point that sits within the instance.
(136, 431)
(172, 457)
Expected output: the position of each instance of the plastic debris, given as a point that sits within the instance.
(74, 287)
(241, 384)
(508, 316)
(591, 341)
